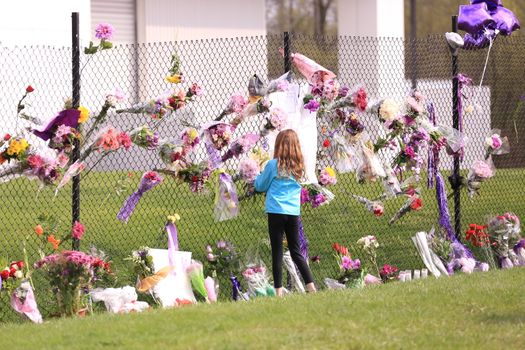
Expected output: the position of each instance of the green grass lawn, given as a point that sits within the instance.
(479, 311)
(343, 221)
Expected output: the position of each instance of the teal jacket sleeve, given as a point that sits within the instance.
(264, 179)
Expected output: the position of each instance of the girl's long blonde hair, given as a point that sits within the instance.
(287, 151)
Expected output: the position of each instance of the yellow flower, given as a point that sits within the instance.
(174, 218)
(193, 133)
(174, 79)
(330, 171)
(84, 114)
(17, 146)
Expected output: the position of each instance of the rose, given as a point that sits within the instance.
(494, 141)
(4, 274)
(7, 137)
(29, 89)
(389, 110)
(377, 209)
(326, 143)
(482, 170)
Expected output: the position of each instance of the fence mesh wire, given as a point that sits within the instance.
(385, 66)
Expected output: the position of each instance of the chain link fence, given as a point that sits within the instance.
(385, 66)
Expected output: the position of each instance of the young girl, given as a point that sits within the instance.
(279, 180)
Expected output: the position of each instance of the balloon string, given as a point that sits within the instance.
(475, 99)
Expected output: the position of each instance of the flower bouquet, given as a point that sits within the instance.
(477, 235)
(219, 134)
(369, 245)
(226, 201)
(223, 260)
(316, 195)
(236, 104)
(196, 276)
(240, 146)
(277, 120)
(145, 138)
(495, 144)
(370, 168)
(389, 273)
(504, 231)
(173, 155)
(72, 274)
(480, 171)
(195, 175)
(413, 203)
(327, 177)
(257, 279)
(351, 274)
(375, 207)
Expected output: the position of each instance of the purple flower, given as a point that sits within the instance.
(305, 195)
(346, 263)
(221, 244)
(318, 200)
(104, 31)
(312, 105)
(343, 91)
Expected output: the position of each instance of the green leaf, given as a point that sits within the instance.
(106, 44)
(90, 50)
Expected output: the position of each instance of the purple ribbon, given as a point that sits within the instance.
(173, 242)
(444, 216)
(213, 154)
(303, 242)
(236, 288)
(147, 182)
(67, 117)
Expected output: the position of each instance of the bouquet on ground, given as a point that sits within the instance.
(369, 245)
(316, 195)
(196, 275)
(222, 260)
(257, 279)
(351, 273)
(143, 267)
(72, 274)
(480, 171)
(478, 236)
(389, 273)
(504, 231)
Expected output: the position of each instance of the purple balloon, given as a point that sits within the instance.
(505, 19)
(491, 4)
(68, 117)
(478, 41)
(473, 18)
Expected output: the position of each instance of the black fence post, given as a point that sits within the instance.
(287, 49)
(75, 56)
(455, 179)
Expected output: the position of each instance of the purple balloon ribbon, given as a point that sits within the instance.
(236, 288)
(173, 242)
(213, 154)
(67, 117)
(303, 242)
(444, 216)
(433, 152)
(149, 180)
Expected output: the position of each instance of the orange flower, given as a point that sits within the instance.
(55, 242)
(39, 230)
(2, 159)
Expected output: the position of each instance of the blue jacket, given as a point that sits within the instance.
(283, 194)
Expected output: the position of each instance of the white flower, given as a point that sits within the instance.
(469, 109)
(389, 110)
(19, 274)
(368, 242)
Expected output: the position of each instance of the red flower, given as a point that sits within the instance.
(416, 204)
(12, 271)
(29, 88)
(39, 230)
(326, 143)
(195, 178)
(4, 274)
(7, 137)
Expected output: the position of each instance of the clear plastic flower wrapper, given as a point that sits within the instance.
(256, 277)
(173, 155)
(375, 207)
(413, 203)
(144, 137)
(480, 171)
(345, 156)
(119, 300)
(226, 201)
(504, 231)
(495, 144)
(297, 283)
(316, 195)
(370, 168)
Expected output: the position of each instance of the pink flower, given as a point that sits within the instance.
(482, 170)
(494, 141)
(360, 99)
(414, 105)
(78, 230)
(283, 85)
(236, 104)
(196, 89)
(104, 31)
(278, 118)
(249, 169)
(62, 159)
(35, 161)
(124, 140)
